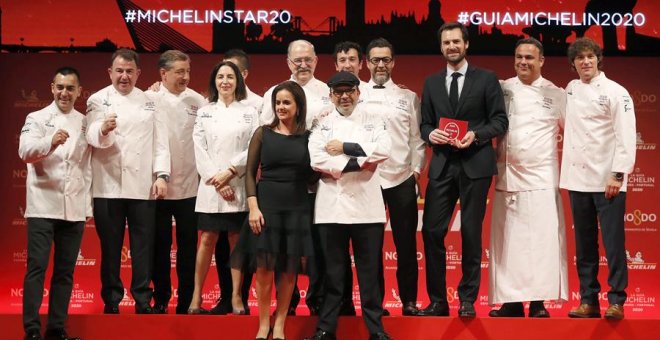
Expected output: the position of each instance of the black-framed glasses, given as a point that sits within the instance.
(299, 61)
(385, 60)
(340, 93)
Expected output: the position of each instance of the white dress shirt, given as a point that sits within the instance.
(350, 197)
(317, 94)
(600, 134)
(58, 181)
(401, 109)
(126, 161)
(179, 113)
(221, 137)
(527, 154)
(461, 79)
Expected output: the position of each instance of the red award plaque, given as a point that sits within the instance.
(454, 127)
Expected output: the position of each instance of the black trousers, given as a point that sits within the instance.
(367, 241)
(588, 208)
(183, 211)
(41, 234)
(401, 202)
(441, 197)
(111, 215)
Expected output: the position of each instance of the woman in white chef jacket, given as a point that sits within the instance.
(221, 136)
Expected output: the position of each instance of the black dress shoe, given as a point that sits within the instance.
(111, 309)
(144, 310)
(32, 335)
(160, 309)
(537, 310)
(509, 310)
(409, 309)
(435, 309)
(379, 336)
(322, 335)
(222, 307)
(467, 310)
(58, 334)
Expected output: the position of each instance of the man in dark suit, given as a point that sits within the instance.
(460, 169)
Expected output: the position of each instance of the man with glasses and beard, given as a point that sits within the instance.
(400, 172)
(346, 146)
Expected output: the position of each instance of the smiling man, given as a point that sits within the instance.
(59, 177)
(178, 105)
(301, 60)
(130, 167)
(527, 235)
(599, 152)
(459, 168)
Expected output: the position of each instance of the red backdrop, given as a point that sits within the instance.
(27, 78)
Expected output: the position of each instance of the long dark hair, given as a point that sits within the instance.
(301, 106)
(239, 94)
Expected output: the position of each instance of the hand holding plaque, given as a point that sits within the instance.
(454, 127)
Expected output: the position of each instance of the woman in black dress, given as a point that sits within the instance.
(280, 213)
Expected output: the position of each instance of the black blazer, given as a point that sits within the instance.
(481, 104)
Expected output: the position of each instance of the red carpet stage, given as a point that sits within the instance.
(131, 326)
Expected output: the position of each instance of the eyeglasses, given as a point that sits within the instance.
(340, 93)
(298, 61)
(376, 60)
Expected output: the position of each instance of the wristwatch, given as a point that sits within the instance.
(165, 177)
(618, 176)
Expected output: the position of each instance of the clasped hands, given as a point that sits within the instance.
(440, 137)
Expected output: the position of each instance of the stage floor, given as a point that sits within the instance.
(131, 326)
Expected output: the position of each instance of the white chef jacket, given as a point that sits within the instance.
(351, 197)
(126, 161)
(221, 137)
(317, 94)
(253, 99)
(527, 153)
(178, 115)
(600, 134)
(58, 184)
(401, 108)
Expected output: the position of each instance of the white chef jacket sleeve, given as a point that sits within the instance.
(320, 159)
(95, 116)
(378, 149)
(240, 160)
(415, 142)
(205, 166)
(162, 162)
(562, 109)
(266, 115)
(33, 144)
(622, 110)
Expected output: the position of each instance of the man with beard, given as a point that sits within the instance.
(347, 146)
(459, 168)
(400, 172)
